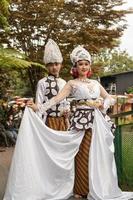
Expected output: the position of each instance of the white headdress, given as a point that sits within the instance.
(52, 53)
(79, 53)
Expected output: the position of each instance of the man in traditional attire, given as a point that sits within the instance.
(50, 86)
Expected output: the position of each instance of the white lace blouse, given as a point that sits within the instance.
(91, 89)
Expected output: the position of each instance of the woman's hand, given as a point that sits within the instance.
(32, 105)
(98, 103)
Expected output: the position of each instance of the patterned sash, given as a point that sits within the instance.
(82, 117)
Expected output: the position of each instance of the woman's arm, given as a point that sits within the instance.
(108, 100)
(42, 108)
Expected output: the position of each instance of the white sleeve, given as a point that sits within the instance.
(40, 92)
(108, 99)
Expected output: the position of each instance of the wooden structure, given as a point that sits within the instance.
(117, 83)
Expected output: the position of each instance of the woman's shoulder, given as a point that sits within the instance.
(70, 82)
(94, 80)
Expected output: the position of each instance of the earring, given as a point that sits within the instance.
(89, 73)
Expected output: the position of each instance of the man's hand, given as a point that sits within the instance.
(66, 113)
(32, 105)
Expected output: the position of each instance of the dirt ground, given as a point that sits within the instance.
(5, 161)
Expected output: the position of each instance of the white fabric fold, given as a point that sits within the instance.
(43, 163)
(103, 181)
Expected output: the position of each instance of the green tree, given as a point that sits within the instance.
(16, 72)
(13, 63)
(94, 24)
(114, 61)
(4, 13)
(130, 90)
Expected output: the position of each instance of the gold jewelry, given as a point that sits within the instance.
(94, 103)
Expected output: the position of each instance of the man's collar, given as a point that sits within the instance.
(53, 75)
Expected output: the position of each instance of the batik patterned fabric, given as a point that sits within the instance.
(47, 88)
(81, 184)
(82, 119)
(57, 123)
(52, 90)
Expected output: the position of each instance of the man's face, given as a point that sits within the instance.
(54, 68)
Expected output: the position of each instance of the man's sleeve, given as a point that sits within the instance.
(40, 92)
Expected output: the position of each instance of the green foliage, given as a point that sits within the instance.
(94, 24)
(3, 21)
(4, 13)
(114, 61)
(17, 74)
(10, 58)
(33, 22)
(127, 158)
(4, 5)
(130, 90)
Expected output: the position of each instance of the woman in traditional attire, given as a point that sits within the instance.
(49, 154)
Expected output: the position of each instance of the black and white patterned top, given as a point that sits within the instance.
(47, 88)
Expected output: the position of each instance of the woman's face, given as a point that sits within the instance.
(83, 66)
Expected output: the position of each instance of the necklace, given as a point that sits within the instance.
(89, 87)
(86, 80)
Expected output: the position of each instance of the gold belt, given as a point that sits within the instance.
(91, 103)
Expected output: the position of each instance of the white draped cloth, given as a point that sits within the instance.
(43, 162)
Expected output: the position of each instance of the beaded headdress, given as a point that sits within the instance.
(80, 53)
(52, 53)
